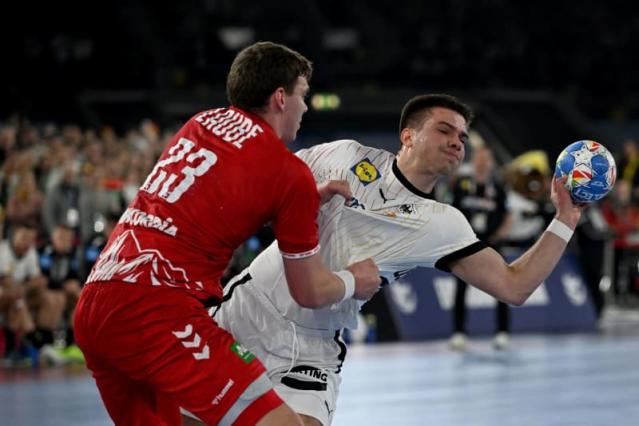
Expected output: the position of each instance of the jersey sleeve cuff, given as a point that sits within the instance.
(444, 263)
(302, 255)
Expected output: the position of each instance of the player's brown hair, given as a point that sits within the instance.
(260, 69)
(418, 108)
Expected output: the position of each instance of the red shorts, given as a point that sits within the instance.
(153, 350)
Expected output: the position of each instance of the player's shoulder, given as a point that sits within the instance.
(453, 212)
(337, 147)
(293, 166)
(455, 221)
(345, 150)
(444, 212)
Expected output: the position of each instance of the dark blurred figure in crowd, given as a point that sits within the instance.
(59, 261)
(628, 166)
(61, 201)
(482, 199)
(19, 276)
(622, 216)
(103, 228)
(24, 206)
(590, 244)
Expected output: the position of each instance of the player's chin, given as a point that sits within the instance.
(453, 164)
(449, 169)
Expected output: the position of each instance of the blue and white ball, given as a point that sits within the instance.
(590, 168)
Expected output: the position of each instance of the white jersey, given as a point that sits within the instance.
(18, 269)
(389, 220)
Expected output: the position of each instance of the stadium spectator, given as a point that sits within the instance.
(482, 199)
(19, 276)
(24, 206)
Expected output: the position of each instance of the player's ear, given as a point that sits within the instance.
(406, 136)
(278, 98)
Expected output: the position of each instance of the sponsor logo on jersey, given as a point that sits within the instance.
(219, 396)
(366, 172)
(381, 193)
(407, 208)
(355, 204)
(404, 209)
(246, 355)
(135, 217)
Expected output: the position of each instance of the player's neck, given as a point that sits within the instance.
(273, 120)
(424, 181)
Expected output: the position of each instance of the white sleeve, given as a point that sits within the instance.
(323, 157)
(33, 264)
(458, 240)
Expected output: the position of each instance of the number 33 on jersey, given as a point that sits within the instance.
(163, 182)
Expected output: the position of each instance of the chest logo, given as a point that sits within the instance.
(366, 172)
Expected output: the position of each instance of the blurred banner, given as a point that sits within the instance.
(421, 304)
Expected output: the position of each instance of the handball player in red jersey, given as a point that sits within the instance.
(142, 319)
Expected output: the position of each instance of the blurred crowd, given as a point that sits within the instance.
(63, 188)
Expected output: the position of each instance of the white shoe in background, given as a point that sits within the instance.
(501, 340)
(458, 342)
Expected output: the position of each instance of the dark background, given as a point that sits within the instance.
(116, 62)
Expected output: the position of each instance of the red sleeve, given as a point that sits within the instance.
(295, 222)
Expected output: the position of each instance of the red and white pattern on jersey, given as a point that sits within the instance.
(222, 177)
(300, 255)
(125, 260)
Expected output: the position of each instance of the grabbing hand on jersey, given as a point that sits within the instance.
(367, 279)
(567, 211)
(331, 188)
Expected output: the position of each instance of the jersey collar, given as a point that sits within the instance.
(412, 188)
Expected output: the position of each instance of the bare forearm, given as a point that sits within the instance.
(312, 284)
(529, 270)
(326, 290)
(515, 282)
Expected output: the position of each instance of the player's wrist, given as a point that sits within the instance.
(560, 229)
(348, 279)
(569, 219)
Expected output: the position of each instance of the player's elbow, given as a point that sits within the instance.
(307, 299)
(516, 298)
(511, 294)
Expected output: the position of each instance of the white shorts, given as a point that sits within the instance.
(303, 364)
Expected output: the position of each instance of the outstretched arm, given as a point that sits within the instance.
(515, 282)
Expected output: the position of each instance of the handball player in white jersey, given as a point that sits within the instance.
(394, 219)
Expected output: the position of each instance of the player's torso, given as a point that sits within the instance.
(210, 190)
(399, 229)
(383, 221)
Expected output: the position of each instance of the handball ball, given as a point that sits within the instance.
(590, 168)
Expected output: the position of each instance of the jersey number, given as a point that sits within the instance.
(162, 182)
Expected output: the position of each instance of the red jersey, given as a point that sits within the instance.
(223, 176)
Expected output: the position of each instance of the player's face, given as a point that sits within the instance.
(438, 145)
(294, 108)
